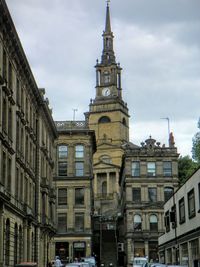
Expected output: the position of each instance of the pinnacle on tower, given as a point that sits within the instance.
(108, 56)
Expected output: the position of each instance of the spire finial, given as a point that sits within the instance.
(108, 1)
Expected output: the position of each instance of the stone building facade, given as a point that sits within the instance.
(180, 243)
(149, 176)
(75, 145)
(102, 194)
(27, 134)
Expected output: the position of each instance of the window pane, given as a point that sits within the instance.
(62, 152)
(182, 210)
(167, 168)
(135, 168)
(62, 196)
(153, 223)
(79, 196)
(168, 192)
(136, 194)
(79, 222)
(137, 223)
(62, 223)
(151, 169)
(79, 151)
(79, 168)
(152, 194)
(191, 204)
(62, 168)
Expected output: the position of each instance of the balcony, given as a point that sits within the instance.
(71, 125)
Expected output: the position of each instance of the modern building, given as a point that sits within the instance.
(75, 145)
(180, 244)
(27, 134)
(148, 178)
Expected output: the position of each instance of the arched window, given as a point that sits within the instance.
(33, 247)
(137, 223)
(79, 151)
(15, 244)
(104, 119)
(104, 188)
(62, 151)
(7, 242)
(168, 192)
(153, 220)
(20, 244)
(62, 159)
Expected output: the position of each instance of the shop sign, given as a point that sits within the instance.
(79, 244)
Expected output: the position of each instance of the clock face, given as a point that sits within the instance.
(106, 92)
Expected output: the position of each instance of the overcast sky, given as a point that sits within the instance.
(157, 43)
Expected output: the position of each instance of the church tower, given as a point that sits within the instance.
(108, 117)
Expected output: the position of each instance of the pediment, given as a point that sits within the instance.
(105, 165)
(106, 145)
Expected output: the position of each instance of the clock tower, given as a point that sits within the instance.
(108, 117)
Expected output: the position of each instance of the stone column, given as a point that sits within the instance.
(146, 248)
(108, 183)
(1, 235)
(117, 182)
(95, 183)
(130, 252)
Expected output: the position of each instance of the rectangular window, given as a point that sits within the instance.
(79, 151)
(3, 168)
(62, 168)
(9, 174)
(62, 196)
(181, 210)
(79, 168)
(191, 204)
(18, 92)
(4, 119)
(17, 183)
(4, 65)
(10, 118)
(167, 221)
(79, 222)
(167, 168)
(168, 192)
(136, 194)
(10, 75)
(62, 223)
(152, 192)
(135, 168)
(151, 169)
(62, 152)
(79, 196)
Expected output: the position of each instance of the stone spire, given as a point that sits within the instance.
(108, 26)
(108, 56)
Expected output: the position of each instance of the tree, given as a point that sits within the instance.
(196, 145)
(186, 167)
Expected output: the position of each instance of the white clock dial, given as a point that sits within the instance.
(106, 92)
